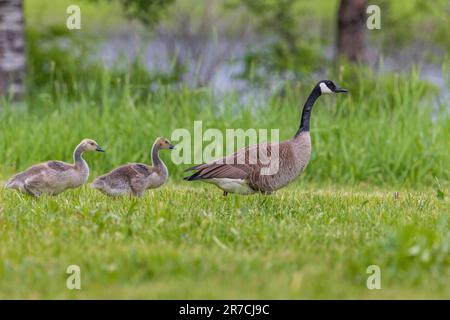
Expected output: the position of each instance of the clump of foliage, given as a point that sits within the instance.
(148, 12)
(384, 132)
(64, 65)
(288, 53)
(414, 21)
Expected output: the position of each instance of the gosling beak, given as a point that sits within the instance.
(339, 90)
(99, 149)
(171, 147)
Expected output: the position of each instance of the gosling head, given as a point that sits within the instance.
(163, 143)
(90, 145)
(328, 86)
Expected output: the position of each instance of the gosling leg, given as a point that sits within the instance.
(225, 193)
(31, 191)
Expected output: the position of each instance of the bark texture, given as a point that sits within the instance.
(351, 37)
(12, 48)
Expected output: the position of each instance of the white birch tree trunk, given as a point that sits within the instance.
(12, 48)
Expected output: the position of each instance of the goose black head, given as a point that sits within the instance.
(328, 86)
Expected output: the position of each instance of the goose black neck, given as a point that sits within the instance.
(306, 113)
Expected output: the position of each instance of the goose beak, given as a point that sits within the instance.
(171, 147)
(340, 90)
(99, 149)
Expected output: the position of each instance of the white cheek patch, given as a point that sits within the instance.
(324, 88)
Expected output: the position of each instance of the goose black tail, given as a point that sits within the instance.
(195, 176)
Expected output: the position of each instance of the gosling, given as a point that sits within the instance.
(54, 177)
(135, 178)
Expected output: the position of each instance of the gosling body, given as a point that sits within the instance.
(135, 178)
(54, 177)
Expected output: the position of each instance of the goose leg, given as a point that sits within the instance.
(29, 190)
(35, 186)
(225, 193)
(137, 188)
(136, 192)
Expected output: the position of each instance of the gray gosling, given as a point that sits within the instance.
(251, 169)
(135, 178)
(54, 177)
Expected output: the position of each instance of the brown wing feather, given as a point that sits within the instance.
(225, 171)
(275, 167)
(239, 165)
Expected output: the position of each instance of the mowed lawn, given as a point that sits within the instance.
(191, 242)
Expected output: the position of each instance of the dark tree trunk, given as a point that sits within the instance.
(351, 36)
(12, 48)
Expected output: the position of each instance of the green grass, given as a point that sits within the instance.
(375, 192)
(190, 242)
(314, 239)
(384, 132)
(97, 16)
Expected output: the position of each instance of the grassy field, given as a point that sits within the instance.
(189, 242)
(376, 191)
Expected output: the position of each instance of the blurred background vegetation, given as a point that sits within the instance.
(139, 69)
(375, 192)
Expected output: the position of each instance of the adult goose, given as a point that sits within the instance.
(54, 177)
(135, 178)
(265, 167)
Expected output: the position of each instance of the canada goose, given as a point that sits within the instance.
(135, 178)
(236, 173)
(53, 177)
